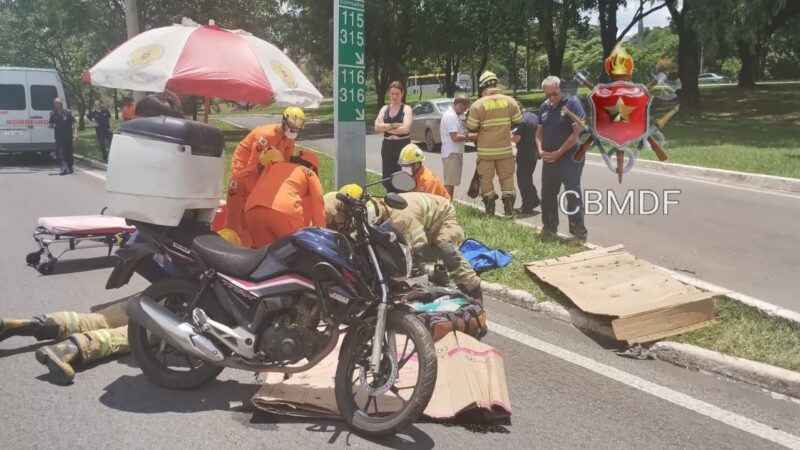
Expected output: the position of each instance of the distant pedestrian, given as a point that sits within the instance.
(524, 135)
(557, 142)
(102, 127)
(65, 130)
(453, 135)
(394, 120)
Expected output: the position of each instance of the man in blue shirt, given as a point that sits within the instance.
(65, 130)
(527, 156)
(557, 142)
(102, 119)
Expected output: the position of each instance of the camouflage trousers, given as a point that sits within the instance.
(99, 334)
(445, 241)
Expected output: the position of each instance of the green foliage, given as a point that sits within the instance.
(731, 67)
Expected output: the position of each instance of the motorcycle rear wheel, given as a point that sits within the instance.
(160, 362)
(355, 384)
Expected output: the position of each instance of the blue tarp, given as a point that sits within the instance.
(481, 257)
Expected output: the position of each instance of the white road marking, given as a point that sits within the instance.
(729, 418)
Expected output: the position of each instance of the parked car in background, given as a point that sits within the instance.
(427, 115)
(710, 78)
(463, 85)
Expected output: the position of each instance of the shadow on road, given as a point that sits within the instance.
(139, 395)
(338, 431)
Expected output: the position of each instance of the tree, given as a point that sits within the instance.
(688, 53)
(749, 27)
(555, 18)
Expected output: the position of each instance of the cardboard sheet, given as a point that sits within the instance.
(471, 375)
(643, 301)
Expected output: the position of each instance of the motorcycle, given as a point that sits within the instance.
(268, 309)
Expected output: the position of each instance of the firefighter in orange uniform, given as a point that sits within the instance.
(285, 200)
(279, 135)
(239, 189)
(410, 161)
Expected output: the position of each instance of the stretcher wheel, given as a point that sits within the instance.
(46, 267)
(32, 258)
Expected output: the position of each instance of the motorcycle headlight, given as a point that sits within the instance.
(407, 256)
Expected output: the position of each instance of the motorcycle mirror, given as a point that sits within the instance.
(403, 182)
(394, 201)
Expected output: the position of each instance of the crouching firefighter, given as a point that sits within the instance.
(428, 221)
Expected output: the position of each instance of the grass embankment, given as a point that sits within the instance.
(741, 330)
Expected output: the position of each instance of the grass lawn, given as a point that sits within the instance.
(742, 331)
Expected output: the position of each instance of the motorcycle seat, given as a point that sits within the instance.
(230, 259)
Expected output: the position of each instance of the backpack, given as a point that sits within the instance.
(444, 311)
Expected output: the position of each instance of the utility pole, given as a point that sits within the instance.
(132, 24)
(641, 33)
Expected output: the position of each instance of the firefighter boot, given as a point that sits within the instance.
(59, 359)
(508, 205)
(41, 327)
(475, 293)
(488, 203)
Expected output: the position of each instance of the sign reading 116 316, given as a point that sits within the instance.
(350, 71)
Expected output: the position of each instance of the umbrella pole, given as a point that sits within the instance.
(207, 107)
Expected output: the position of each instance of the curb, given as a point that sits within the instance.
(91, 162)
(722, 176)
(772, 378)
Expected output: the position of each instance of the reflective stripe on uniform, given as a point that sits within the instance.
(502, 121)
(494, 150)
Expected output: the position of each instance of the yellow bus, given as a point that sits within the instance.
(425, 84)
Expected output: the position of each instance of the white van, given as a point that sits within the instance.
(26, 99)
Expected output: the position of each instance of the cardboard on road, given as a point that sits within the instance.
(643, 302)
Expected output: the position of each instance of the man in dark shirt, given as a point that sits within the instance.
(65, 130)
(557, 142)
(102, 119)
(524, 135)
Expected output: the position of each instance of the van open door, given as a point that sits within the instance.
(15, 134)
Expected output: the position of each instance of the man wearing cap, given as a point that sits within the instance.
(65, 130)
(492, 117)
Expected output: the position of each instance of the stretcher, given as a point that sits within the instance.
(76, 232)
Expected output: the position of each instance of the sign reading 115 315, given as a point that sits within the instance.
(350, 71)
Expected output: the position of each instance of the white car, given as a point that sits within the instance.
(426, 117)
(710, 78)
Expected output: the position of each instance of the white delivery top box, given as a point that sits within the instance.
(161, 169)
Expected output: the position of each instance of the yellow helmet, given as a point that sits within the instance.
(352, 190)
(230, 236)
(487, 79)
(410, 154)
(294, 118)
(270, 155)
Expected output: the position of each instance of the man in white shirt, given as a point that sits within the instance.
(453, 136)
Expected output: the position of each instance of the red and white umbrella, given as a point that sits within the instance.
(206, 61)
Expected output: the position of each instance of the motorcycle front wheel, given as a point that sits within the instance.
(383, 402)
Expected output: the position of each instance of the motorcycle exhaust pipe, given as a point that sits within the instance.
(164, 324)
